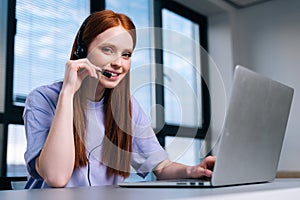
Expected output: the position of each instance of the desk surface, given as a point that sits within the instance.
(273, 190)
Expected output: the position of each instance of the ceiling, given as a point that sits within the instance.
(244, 3)
(212, 7)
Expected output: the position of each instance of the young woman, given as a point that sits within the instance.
(88, 130)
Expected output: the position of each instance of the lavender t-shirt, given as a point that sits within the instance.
(38, 115)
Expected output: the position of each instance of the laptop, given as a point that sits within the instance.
(252, 135)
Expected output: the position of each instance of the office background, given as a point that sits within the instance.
(263, 36)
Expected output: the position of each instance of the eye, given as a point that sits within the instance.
(107, 50)
(127, 55)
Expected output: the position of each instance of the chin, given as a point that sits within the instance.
(109, 85)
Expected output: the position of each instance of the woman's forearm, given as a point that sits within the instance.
(171, 170)
(56, 160)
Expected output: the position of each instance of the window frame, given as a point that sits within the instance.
(201, 20)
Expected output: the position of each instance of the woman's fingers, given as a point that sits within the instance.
(77, 68)
(85, 65)
(76, 71)
(204, 169)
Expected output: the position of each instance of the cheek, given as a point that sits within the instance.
(126, 65)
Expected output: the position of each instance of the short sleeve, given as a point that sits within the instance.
(38, 115)
(147, 153)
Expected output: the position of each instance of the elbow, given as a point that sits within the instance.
(57, 178)
(57, 181)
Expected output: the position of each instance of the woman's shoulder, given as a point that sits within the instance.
(53, 89)
(138, 114)
(136, 107)
(48, 93)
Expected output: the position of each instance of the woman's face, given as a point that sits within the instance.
(111, 51)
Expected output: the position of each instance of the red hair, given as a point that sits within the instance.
(117, 143)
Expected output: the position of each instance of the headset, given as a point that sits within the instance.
(81, 49)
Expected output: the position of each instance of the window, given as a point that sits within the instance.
(44, 35)
(16, 147)
(184, 95)
(182, 73)
(186, 110)
(43, 42)
(141, 80)
(182, 85)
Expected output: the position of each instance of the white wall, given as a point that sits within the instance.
(220, 73)
(221, 47)
(268, 41)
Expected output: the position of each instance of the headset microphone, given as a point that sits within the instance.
(105, 73)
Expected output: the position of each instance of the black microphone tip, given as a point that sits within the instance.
(107, 74)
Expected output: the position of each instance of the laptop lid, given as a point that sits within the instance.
(253, 130)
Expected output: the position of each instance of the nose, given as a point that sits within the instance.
(117, 62)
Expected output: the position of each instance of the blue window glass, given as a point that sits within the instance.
(43, 42)
(181, 66)
(141, 79)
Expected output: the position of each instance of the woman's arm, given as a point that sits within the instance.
(55, 163)
(56, 160)
(173, 170)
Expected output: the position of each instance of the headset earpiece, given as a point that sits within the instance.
(81, 49)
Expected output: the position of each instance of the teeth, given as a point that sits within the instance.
(113, 74)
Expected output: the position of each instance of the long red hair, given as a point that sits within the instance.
(117, 143)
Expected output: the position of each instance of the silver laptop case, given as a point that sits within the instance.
(253, 130)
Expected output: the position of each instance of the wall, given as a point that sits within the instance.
(220, 72)
(268, 41)
(221, 46)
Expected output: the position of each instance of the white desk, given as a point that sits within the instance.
(287, 188)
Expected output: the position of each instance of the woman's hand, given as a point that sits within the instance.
(204, 169)
(173, 170)
(76, 71)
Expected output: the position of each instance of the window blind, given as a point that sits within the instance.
(43, 41)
